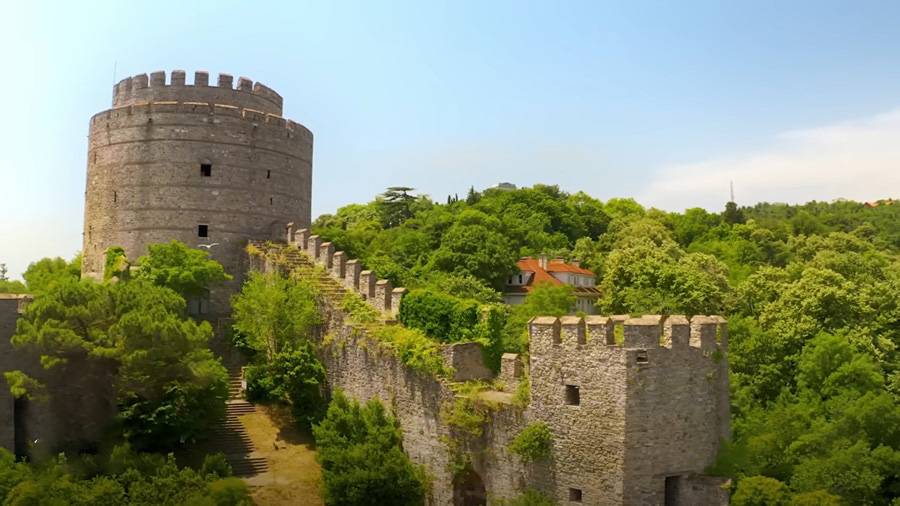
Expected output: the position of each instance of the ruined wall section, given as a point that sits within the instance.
(146, 182)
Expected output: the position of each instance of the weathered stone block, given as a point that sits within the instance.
(382, 295)
(351, 274)
(367, 285)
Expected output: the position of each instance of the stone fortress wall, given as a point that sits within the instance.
(635, 419)
(75, 418)
(147, 157)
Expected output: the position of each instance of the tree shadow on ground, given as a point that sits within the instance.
(289, 430)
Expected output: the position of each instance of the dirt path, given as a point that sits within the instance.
(294, 476)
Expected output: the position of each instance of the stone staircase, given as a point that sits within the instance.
(230, 436)
(296, 261)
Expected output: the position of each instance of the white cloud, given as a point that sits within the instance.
(858, 160)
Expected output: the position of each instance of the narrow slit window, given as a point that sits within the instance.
(202, 230)
(115, 197)
(206, 169)
(573, 395)
(575, 494)
(271, 201)
(268, 174)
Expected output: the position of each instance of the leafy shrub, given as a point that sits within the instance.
(530, 497)
(760, 491)
(294, 376)
(124, 478)
(358, 309)
(215, 465)
(414, 349)
(468, 412)
(451, 319)
(816, 498)
(359, 448)
(440, 316)
(275, 313)
(533, 443)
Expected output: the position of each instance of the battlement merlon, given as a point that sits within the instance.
(707, 334)
(157, 88)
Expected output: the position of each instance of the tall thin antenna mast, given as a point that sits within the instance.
(731, 184)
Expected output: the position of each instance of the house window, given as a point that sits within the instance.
(202, 230)
(573, 395)
(575, 494)
(206, 169)
(520, 279)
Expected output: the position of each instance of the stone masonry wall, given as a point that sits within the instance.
(9, 313)
(625, 416)
(144, 180)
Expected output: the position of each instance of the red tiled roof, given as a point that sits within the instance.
(541, 275)
(557, 266)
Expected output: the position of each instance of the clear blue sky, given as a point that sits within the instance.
(664, 101)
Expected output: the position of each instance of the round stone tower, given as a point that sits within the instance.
(212, 165)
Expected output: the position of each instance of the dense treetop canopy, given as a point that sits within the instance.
(812, 294)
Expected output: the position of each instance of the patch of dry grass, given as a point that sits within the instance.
(294, 476)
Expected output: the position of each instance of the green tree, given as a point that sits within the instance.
(295, 376)
(544, 299)
(760, 491)
(171, 389)
(476, 249)
(41, 275)
(395, 205)
(359, 448)
(274, 313)
(188, 271)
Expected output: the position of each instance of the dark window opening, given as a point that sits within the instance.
(575, 494)
(573, 395)
(271, 201)
(115, 197)
(268, 174)
(202, 230)
(642, 357)
(671, 498)
(206, 169)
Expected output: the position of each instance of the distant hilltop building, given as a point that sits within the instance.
(534, 271)
(203, 163)
(505, 186)
(882, 202)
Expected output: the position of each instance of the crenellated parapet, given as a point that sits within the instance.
(159, 87)
(707, 334)
(380, 293)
